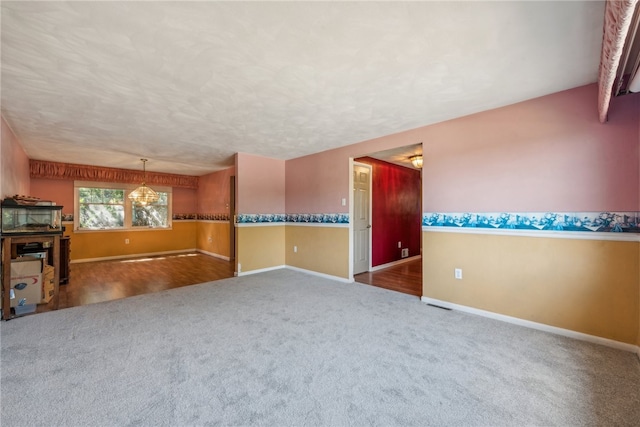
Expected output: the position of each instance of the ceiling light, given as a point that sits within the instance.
(143, 195)
(416, 161)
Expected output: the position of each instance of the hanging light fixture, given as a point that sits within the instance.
(143, 195)
(416, 161)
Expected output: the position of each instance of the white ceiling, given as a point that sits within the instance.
(187, 85)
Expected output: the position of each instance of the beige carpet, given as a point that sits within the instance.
(289, 349)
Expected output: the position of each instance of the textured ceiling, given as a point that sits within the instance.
(187, 85)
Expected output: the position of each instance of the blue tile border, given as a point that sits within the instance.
(259, 218)
(618, 222)
(322, 218)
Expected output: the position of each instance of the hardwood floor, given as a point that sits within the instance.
(99, 281)
(405, 278)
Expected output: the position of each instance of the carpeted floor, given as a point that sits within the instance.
(288, 349)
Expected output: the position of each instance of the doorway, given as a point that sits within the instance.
(361, 218)
(395, 221)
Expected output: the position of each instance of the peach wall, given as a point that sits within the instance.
(546, 154)
(57, 190)
(549, 153)
(184, 200)
(318, 183)
(61, 192)
(213, 191)
(260, 184)
(14, 165)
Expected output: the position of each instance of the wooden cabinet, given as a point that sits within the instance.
(65, 259)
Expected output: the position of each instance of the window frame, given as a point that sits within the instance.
(128, 206)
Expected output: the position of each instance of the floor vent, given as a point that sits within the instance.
(437, 306)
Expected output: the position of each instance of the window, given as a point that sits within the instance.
(106, 206)
(154, 215)
(100, 208)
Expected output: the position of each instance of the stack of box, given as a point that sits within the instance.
(32, 283)
(26, 284)
(48, 288)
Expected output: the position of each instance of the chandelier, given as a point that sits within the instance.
(143, 195)
(416, 161)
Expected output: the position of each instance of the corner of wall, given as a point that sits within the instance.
(14, 164)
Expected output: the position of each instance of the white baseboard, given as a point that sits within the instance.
(260, 270)
(534, 325)
(315, 273)
(391, 264)
(116, 257)
(213, 254)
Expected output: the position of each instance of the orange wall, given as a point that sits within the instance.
(213, 237)
(104, 244)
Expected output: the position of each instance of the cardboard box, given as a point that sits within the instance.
(26, 281)
(48, 288)
(21, 310)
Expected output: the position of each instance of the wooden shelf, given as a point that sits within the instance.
(7, 244)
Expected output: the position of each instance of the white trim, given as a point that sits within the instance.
(259, 224)
(127, 205)
(213, 254)
(315, 273)
(318, 224)
(120, 230)
(108, 258)
(578, 235)
(534, 325)
(391, 264)
(260, 270)
(350, 199)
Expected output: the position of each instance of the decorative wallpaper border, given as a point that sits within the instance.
(323, 218)
(205, 217)
(214, 217)
(617, 222)
(259, 218)
(56, 170)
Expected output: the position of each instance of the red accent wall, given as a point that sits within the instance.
(396, 210)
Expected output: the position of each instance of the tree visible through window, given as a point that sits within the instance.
(106, 206)
(155, 214)
(101, 208)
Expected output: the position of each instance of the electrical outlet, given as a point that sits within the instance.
(210, 239)
(399, 245)
(344, 202)
(126, 241)
(295, 249)
(458, 273)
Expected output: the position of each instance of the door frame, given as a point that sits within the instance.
(352, 248)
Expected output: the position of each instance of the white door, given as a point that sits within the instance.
(361, 218)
